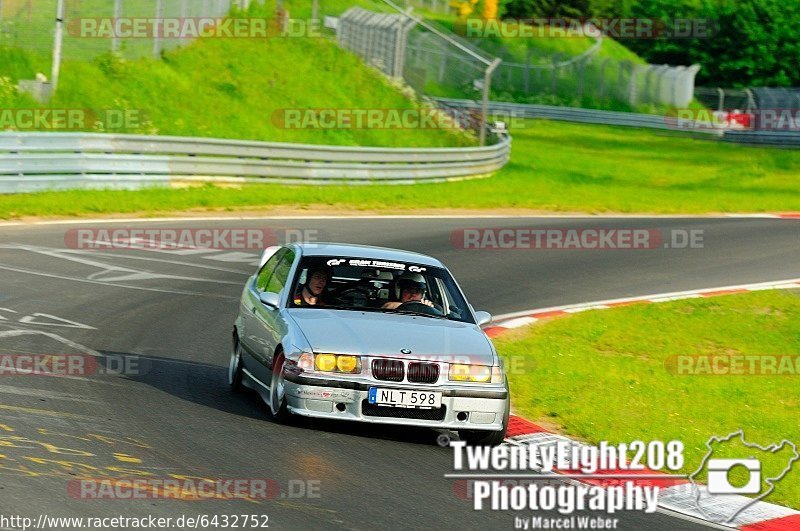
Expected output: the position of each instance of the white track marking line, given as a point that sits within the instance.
(153, 259)
(126, 273)
(113, 284)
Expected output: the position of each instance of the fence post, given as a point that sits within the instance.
(602, 89)
(581, 70)
(633, 89)
(620, 79)
(442, 65)
(487, 83)
(527, 74)
(117, 15)
(57, 40)
(554, 77)
(156, 36)
(648, 74)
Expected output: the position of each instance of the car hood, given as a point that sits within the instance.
(387, 334)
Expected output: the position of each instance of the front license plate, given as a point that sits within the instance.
(404, 398)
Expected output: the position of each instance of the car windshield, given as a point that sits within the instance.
(365, 284)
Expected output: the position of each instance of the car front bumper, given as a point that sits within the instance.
(463, 408)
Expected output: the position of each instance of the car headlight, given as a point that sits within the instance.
(341, 363)
(460, 372)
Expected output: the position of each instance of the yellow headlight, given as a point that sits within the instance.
(470, 373)
(346, 363)
(325, 362)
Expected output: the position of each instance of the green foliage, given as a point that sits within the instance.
(752, 42)
(749, 42)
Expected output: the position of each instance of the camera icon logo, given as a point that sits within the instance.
(719, 476)
(734, 484)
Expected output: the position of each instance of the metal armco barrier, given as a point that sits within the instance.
(575, 114)
(41, 161)
(784, 139)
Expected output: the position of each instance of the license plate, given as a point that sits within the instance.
(404, 398)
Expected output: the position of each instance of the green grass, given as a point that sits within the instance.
(599, 376)
(233, 88)
(555, 166)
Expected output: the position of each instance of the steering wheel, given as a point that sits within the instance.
(352, 295)
(418, 307)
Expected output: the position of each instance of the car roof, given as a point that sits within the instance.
(365, 251)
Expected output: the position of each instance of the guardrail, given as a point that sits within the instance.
(39, 161)
(784, 139)
(575, 114)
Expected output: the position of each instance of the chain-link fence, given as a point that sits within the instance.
(725, 99)
(439, 62)
(132, 28)
(384, 41)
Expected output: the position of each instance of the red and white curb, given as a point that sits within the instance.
(502, 323)
(676, 494)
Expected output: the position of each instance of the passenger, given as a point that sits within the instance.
(312, 292)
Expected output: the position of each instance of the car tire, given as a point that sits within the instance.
(486, 438)
(235, 373)
(277, 395)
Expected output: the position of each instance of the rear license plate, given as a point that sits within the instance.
(404, 398)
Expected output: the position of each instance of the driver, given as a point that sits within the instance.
(412, 289)
(310, 293)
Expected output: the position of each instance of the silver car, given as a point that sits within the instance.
(367, 334)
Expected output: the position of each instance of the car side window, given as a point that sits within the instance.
(262, 280)
(281, 275)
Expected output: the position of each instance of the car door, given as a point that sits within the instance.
(255, 351)
(269, 325)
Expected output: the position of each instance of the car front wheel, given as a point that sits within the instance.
(277, 391)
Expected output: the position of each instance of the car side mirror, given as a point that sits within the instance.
(483, 317)
(270, 298)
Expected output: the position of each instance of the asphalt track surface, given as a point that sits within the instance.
(177, 417)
